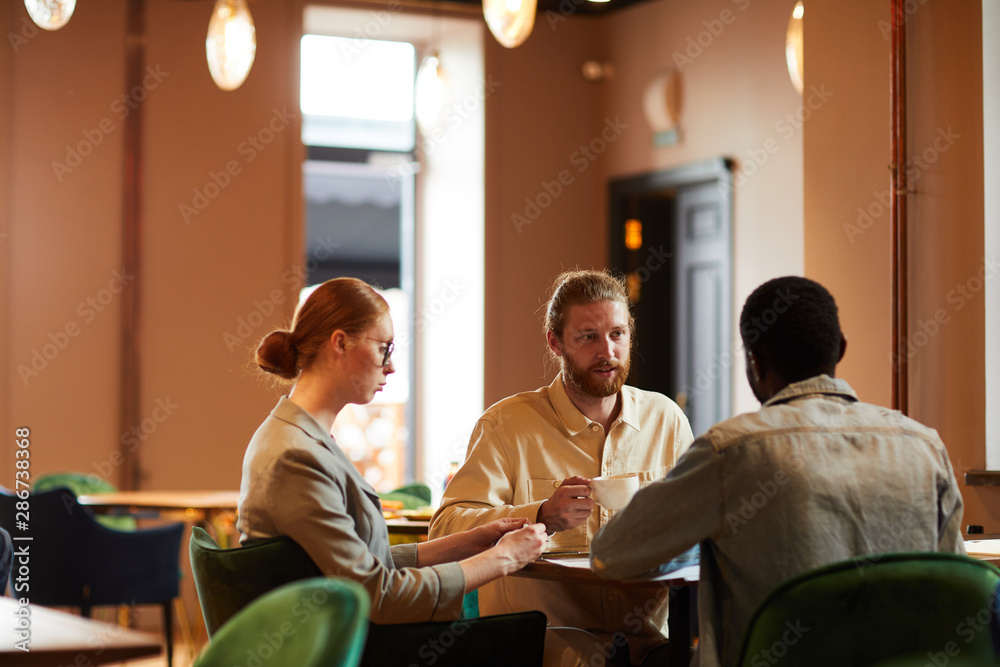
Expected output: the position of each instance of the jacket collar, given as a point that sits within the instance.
(818, 385)
(288, 411)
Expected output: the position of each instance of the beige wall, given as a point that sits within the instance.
(198, 405)
(201, 278)
(737, 102)
(536, 122)
(846, 160)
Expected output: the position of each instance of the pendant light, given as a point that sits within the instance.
(431, 93)
(510, 21)
(50, 14)
(231, 43)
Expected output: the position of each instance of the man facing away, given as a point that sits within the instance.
(814, 477)
(533, 455)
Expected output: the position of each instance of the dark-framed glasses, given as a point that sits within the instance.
(389, 347)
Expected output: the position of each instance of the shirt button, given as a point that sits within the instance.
(594, 427)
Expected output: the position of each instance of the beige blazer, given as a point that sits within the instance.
(297, 482)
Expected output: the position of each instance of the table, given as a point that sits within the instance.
(58, 638)
(205, 507)
(681, 618)
(407, 527)
(205, 502)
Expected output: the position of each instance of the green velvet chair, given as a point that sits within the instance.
(413, 496)
(871, 610)
(83, 485)
(221, 575)
(229, 579)
(316, 622)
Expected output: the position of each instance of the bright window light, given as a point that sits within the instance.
(351, 78)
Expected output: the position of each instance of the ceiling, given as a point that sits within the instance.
(570, 7)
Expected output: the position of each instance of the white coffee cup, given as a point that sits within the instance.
(614, 491)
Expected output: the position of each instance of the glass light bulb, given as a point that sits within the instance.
(50, 14)
(431, 93)
(510, 21)
(794, 53)
(231, 44)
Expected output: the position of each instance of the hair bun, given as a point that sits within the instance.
(277, 355)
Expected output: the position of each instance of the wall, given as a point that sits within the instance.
(846, 223)
(736, 101)
(537, 120)
(64, 245)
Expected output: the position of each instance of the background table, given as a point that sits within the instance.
(58, 638)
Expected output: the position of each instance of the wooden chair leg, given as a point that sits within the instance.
(168, 631)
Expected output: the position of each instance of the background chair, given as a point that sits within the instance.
(317, 622)
(413, 496)
(873, 609)
(83, 485)
(230, 579)
(77, 562)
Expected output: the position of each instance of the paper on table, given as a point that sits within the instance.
(983, 547)
(582, 562)
(689, 573)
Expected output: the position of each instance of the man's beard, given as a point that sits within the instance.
(591, 385)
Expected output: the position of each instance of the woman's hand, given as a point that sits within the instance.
(522, 546)
(485, 536)
(515, 549)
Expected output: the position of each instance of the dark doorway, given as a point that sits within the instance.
(671, 236)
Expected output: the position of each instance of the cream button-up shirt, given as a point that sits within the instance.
(520, 451)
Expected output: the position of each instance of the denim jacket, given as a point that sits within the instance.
(814, 477)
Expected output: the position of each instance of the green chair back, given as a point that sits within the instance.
(317, 622)
(873, 609)
(413, 496)
(84, 485)
(222, 576)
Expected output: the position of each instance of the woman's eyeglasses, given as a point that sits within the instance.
(389, 346)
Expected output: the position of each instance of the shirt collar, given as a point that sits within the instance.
(575, 421)
(820, 384)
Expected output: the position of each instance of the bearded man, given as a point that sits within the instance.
(533, 455)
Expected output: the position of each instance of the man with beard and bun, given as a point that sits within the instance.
(533, 455)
